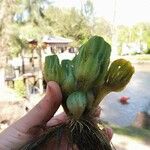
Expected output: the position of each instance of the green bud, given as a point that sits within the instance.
(92, 62)
(68, 84)
(52, 69)
(76, 104)
(118, 75)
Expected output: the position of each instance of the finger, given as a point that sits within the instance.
(44, 110)
(108, 132)
(61, 118)
(97, 111)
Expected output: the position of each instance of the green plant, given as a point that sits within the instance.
(147, 51)
(20, 87)
(84, 82)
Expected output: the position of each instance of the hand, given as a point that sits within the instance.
(31, 125)
(28, 126)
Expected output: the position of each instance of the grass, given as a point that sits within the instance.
(140, 57)
(133, 132)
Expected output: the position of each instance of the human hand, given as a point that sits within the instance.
(31, 125)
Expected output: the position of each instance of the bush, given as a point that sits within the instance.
(20, 87)
(147, 51)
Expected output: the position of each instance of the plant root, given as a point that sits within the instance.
(82, 134)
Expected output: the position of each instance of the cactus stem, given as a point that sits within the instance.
(102, 92)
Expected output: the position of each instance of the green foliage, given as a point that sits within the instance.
(147, 51)
(123, 37)
(19, 87)
(6, 15)
(103, 28)
(123, 34)
(137, 133)
(139, 33)
(16, 45)
(68, 23)
(72, 23)
(138, 57)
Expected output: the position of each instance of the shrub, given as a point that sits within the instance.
(20, 87)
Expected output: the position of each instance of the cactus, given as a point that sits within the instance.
(105, 60)
(52, 69)
(68, 84)
(118, 76)
(90, 99)
(76, 103)
(84, 82)
(91, 63)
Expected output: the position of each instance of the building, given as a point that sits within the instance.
(56, 44)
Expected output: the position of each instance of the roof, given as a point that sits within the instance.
(32, 40)
(56, 39)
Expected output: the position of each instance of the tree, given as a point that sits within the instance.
(88, 10)
(28, 19)
(103, 28)
(142, 32)
(7, 11)
(17, 45)
(75, 26)
(69, 23)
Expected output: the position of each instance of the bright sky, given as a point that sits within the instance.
(128, 12)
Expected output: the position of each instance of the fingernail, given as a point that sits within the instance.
(48, 88)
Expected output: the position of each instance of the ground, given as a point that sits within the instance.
(130, 138)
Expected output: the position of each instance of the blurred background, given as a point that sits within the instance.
(33, 29)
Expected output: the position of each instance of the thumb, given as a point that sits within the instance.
(44, 110)
(18, 133)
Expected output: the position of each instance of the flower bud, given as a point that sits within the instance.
(118, 75)
(76, 104)
(68, 84)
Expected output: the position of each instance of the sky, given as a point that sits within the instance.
(128, 12)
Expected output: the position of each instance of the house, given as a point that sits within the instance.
(56, 44)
